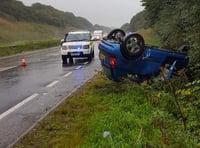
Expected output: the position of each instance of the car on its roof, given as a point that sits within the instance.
(122, 55)
(77, 44)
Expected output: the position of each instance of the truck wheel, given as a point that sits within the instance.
(132, 46)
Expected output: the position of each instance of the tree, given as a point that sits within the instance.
(127, 28)
(139, 21)
(177, 22)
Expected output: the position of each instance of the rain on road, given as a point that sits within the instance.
(28, 94)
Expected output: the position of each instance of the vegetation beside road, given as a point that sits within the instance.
(104, 113)
(19, 47)
(150, 37)
(176, 22)
(17, 37)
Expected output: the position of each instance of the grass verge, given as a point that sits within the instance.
(107, 114)
(19, 47)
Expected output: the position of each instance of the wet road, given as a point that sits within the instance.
(28, 94)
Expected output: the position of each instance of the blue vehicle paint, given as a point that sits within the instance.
(147, 64)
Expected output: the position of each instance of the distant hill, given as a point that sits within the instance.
(19, 22)
(13, 10)
(104, 28)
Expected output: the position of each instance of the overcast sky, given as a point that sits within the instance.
(113, 13)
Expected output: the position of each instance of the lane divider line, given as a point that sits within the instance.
(85, 63)
(78, 67)
(52, 84)
(66, 75)
(18, 106)
(7, 68)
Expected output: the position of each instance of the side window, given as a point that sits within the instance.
(90, 36)
(65, 37)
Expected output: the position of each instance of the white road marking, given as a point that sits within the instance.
(86, 63)
(52, 84)
(7, 68)
(69, 73)
(53, 54)
(17, 106)
(78, 67)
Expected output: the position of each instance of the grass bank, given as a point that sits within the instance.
(107, 114)
(150, 37)
(17, 37)
(23, 46)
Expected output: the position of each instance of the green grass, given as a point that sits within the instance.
(150, 37)
(23, 36)
(23, 31)
(19, 47)
(133, 115)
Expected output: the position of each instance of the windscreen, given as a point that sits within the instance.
(77, 37)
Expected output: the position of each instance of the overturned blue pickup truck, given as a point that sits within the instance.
(122, 55)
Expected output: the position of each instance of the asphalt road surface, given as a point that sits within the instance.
(28, 94)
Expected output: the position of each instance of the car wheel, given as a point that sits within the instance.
(116, 35)
(90, 57)
(71, 61)
(64, 59)
(132, 46)
(93, 54)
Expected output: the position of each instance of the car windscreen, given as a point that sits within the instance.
(77, 37)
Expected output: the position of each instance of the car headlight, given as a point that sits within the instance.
(64, 47)
(86, 46)
(79, 47)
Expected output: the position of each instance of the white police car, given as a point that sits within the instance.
(77, 44)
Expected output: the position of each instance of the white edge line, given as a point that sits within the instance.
(78, 67)
(7, 68)
(52, 84)
(17, 106)
(69, 73)
(51, 109)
